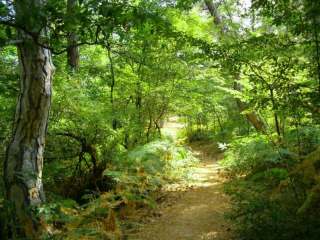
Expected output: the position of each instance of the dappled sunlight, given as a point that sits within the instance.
(194, 208)
(206, 175)
(210, 236)
(172, 127)
(204, 178)
(160, 119)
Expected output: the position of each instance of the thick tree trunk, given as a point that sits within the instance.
(24, 156)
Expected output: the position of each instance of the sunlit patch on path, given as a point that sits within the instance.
(172, 127)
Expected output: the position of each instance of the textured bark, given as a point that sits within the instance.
(73, 49)
(24, 156)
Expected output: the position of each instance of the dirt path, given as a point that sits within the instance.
(197, 213)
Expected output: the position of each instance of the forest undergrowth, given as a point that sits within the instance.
(87, 92)
(137, 184)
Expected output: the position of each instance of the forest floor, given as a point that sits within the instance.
(193, 211)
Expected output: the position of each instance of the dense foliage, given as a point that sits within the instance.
(243, 74)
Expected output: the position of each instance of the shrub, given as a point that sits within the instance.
(274, 194)
(251, 154)
(304, 139)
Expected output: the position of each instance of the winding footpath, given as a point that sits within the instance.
(197, 212)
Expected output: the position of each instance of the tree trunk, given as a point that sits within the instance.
(115, 121)
(252, 117)
(212, 8)
(24, 156)
(275, 109)
(73, 49)
(73, 52)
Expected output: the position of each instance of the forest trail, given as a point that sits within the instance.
(196, 211)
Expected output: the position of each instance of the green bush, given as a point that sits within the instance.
(303, 140)
(249, 155)
(267, 192)
(261, 211)
(147, 167)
